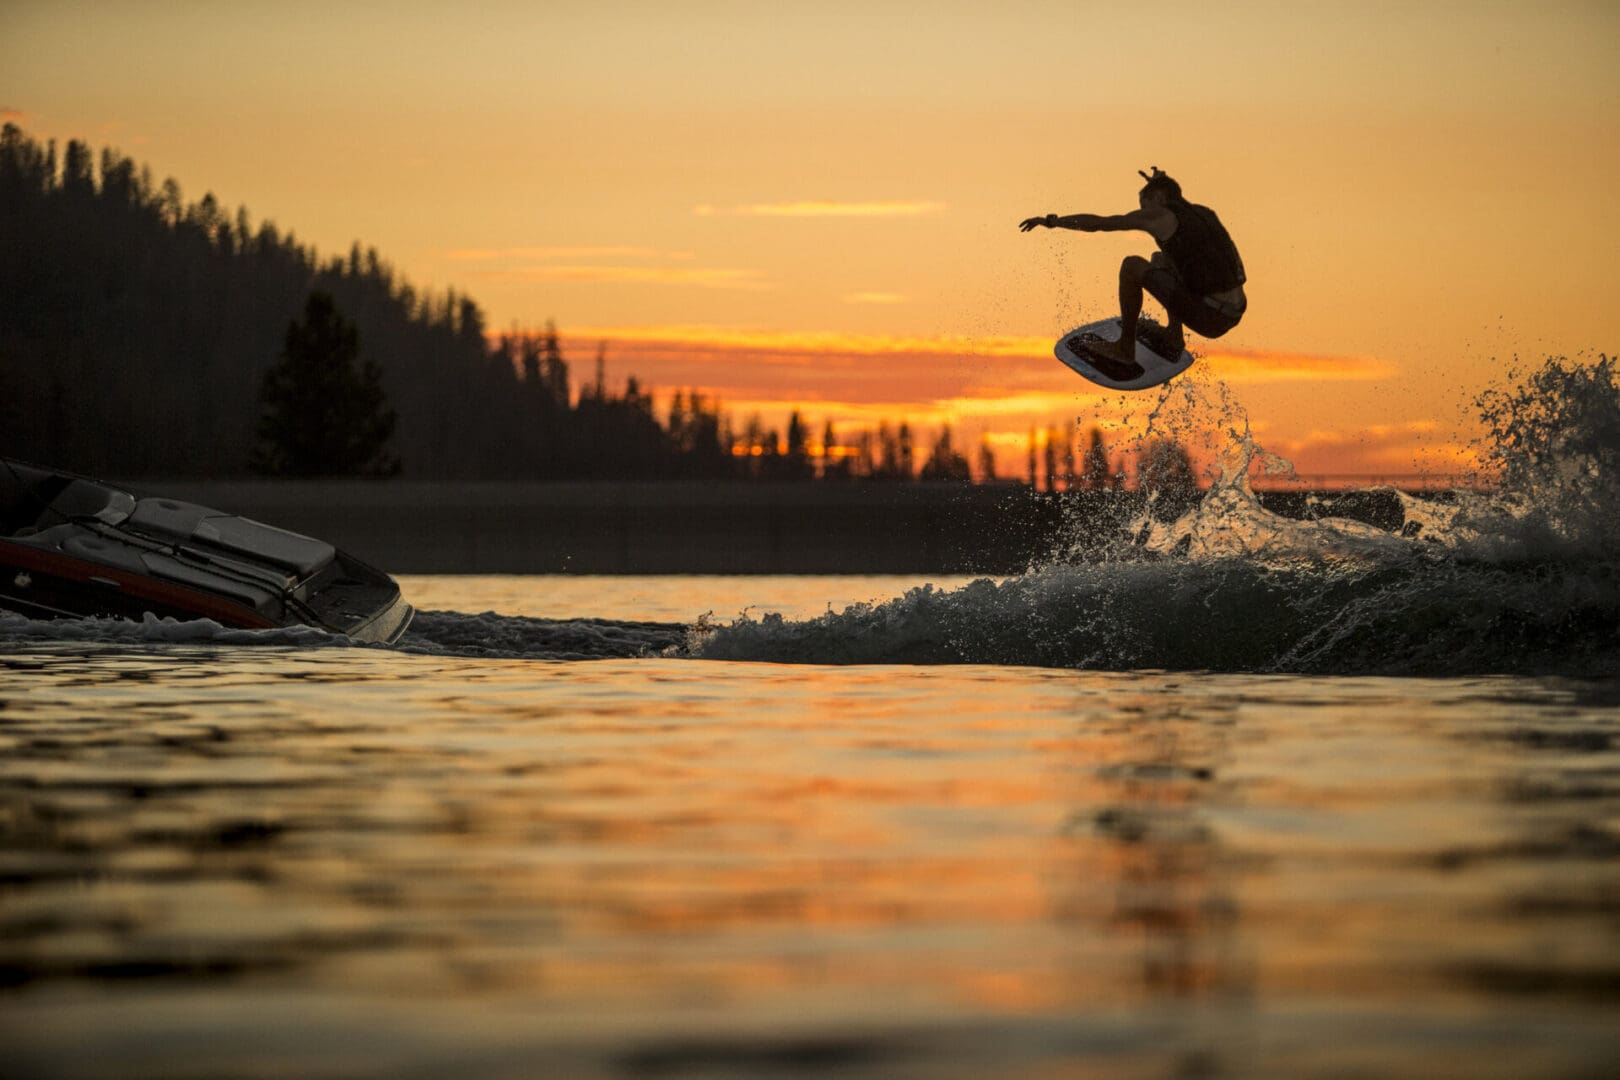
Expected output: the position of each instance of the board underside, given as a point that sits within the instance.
(1155, 368)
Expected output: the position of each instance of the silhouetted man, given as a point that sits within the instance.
(1196, 273)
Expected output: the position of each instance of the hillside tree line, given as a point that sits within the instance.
(142, 335)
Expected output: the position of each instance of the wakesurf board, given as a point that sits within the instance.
(1155, 369)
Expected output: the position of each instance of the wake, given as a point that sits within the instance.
(432, 633)
(1520, 579)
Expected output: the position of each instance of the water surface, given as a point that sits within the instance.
(1229, 796)
(277, 859)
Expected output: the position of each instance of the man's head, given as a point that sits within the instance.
(1159, 190)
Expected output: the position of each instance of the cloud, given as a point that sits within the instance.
(892, 208)
(815, 344)
(8, 115)
(704, 277)
(1006, 386)
(546, 253)
(1001, 385)
(874, 298)
(1372, 452)
(1346, 436)
(1029, 360)
(1257, 366)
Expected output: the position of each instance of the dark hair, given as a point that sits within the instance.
(1160, 182)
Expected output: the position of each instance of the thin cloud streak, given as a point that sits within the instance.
(1252, 366)
(708, 278)
(814, 343)
(1035, 364)
(815, 208)
(544, 253)
(1003, 386)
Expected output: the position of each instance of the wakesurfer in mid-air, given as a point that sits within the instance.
(1196, 273)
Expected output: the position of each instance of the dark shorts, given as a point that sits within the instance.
(1196, 313)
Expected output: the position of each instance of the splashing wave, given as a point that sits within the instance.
(1522, 578)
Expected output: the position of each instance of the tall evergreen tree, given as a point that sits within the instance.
(1164, 467)
(325, 413)
(987, 460)
(554, 369)
(1095, 472)
(944, 463)
(797, 465)
(831, 465)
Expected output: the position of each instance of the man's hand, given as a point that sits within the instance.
(1029, 223)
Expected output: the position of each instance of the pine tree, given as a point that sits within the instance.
(1095, 472)
(1164, 467)
(831, 465)
(1049, 458)
(553, 368)
(944, 463)
(987, 460)
(325, 413)
(797, 465)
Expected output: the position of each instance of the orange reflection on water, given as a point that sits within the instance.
(573, 850)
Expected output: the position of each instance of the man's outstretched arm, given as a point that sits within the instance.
(1139, 220)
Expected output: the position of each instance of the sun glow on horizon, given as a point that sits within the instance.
(1003, 389)
(828, 216)
(826, 208)
(703, 277)
(603, 252)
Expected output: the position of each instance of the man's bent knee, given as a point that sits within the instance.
(1134, 269)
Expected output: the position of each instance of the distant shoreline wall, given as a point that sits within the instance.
(675, 528)
(651, 528)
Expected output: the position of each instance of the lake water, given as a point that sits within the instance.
(240, 855)
(1231, 796)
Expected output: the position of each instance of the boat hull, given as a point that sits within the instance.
(75, 547)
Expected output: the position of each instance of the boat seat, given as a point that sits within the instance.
(259, 598)
(50, 539)
(81, 543)
(79, 499)
(99, 549)
(174, 520)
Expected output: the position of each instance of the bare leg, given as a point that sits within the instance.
(1117, 360)
(1132, 272)
(1178, 337)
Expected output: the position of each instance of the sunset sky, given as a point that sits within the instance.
(818, 204)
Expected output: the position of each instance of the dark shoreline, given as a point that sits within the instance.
(694, 528)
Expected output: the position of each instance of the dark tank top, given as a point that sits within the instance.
(1202, 251)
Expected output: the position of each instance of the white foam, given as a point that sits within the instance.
(439, 633)
(1518, 579)
(153, 630)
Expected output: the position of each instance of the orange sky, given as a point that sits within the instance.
(817, 204)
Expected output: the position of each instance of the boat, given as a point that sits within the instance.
(73, 547)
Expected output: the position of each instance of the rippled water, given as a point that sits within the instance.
(276, 860)
(1173, 805)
